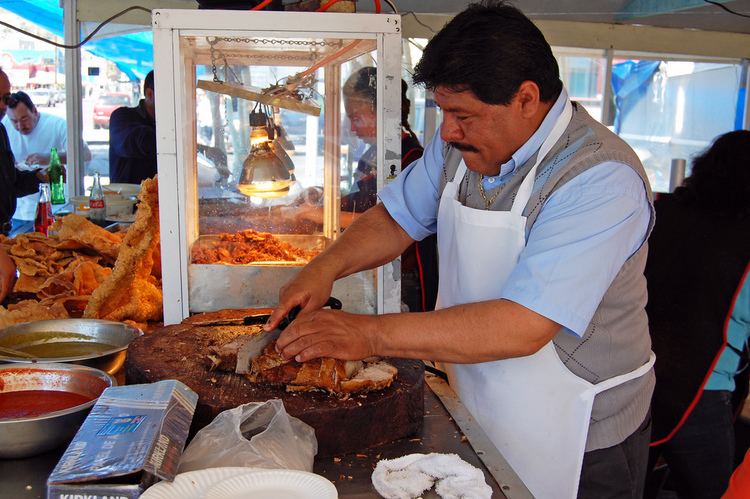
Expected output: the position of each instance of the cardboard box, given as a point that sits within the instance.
(133, 436)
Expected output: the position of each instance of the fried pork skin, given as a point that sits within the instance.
(132, 291)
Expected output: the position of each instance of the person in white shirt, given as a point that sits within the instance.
(32, 135)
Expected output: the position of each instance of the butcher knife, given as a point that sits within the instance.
(252, 346)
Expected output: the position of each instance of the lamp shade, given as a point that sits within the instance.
(264, 174)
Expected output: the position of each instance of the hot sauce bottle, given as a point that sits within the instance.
(44, 216)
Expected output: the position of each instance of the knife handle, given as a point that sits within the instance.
(333, 303)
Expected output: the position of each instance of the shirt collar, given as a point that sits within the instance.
(532, 145)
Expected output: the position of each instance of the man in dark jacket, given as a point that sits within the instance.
(132, 139)
(15, 183)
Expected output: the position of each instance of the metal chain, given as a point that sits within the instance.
(492, 198)
(280, 41)
(211, 43)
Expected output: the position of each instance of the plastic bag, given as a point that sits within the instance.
(259, 434)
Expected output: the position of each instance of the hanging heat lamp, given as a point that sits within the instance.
(267, 170)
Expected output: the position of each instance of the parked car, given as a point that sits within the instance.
(105, 105)
(59, 95)
(42, 96)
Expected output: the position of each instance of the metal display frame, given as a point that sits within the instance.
(176, 123)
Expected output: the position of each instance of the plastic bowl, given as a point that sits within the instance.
(117, 207)
(29, 436)
(80, 205)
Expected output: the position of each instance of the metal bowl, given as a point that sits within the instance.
(23, 437)
(110, 360)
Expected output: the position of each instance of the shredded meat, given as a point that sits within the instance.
(248, 246)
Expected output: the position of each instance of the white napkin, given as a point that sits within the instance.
(409, 476)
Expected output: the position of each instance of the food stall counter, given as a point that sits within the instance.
(350, 473)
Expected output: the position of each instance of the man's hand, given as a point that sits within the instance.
(7, 274)
(330, 333)
(310, 289)
(42, 176)
(37, 159)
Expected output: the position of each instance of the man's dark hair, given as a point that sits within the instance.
(20, 97)
(490, 48)
(149, 81)
(720, 177)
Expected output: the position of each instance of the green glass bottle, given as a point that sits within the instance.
(56, 178)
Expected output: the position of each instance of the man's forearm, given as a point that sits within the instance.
(470, 333)
(372, 240)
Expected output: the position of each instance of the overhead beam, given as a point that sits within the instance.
(690, 43)
(98, 11)
(647, 8)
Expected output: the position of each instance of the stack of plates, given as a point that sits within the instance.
(243, 483)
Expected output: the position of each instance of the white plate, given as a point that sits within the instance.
(275, 484)
(193, 484)
(129, 218)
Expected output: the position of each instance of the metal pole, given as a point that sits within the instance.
(430, 115)
(676, 173)
(607, 118)
(73, 102)
(332, 154)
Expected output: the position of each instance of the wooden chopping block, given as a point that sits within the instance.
(341, 425)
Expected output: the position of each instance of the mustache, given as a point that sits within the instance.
(463, 147)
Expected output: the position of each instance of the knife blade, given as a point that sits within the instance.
(252, 347)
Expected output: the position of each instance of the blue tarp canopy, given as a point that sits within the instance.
(133, 53)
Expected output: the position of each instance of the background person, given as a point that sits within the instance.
(419, 261)
(699, 315)
(32, 135)
(739, 483)
(15, 183)
(542, 216)
(132, 139)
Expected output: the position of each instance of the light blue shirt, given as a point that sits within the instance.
(580, 240)
(738, 332)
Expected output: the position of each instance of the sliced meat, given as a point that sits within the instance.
(237, 354)
(335, 376)
(374, 376)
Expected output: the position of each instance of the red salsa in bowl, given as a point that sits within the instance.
(32, 403)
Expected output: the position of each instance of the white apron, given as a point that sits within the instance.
(532, 408)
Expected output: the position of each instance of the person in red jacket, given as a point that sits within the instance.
(739, 483)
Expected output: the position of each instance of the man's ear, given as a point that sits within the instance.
(527, 98)
(149, 93)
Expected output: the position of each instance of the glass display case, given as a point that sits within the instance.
(275, 130)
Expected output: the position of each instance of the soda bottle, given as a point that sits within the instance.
(97, 208)
(56, 178)
(44, 217)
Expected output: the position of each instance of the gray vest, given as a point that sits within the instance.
(617, 339)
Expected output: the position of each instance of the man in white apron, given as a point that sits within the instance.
(542, 216)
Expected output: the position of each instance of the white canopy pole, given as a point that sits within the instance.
(73, 102)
